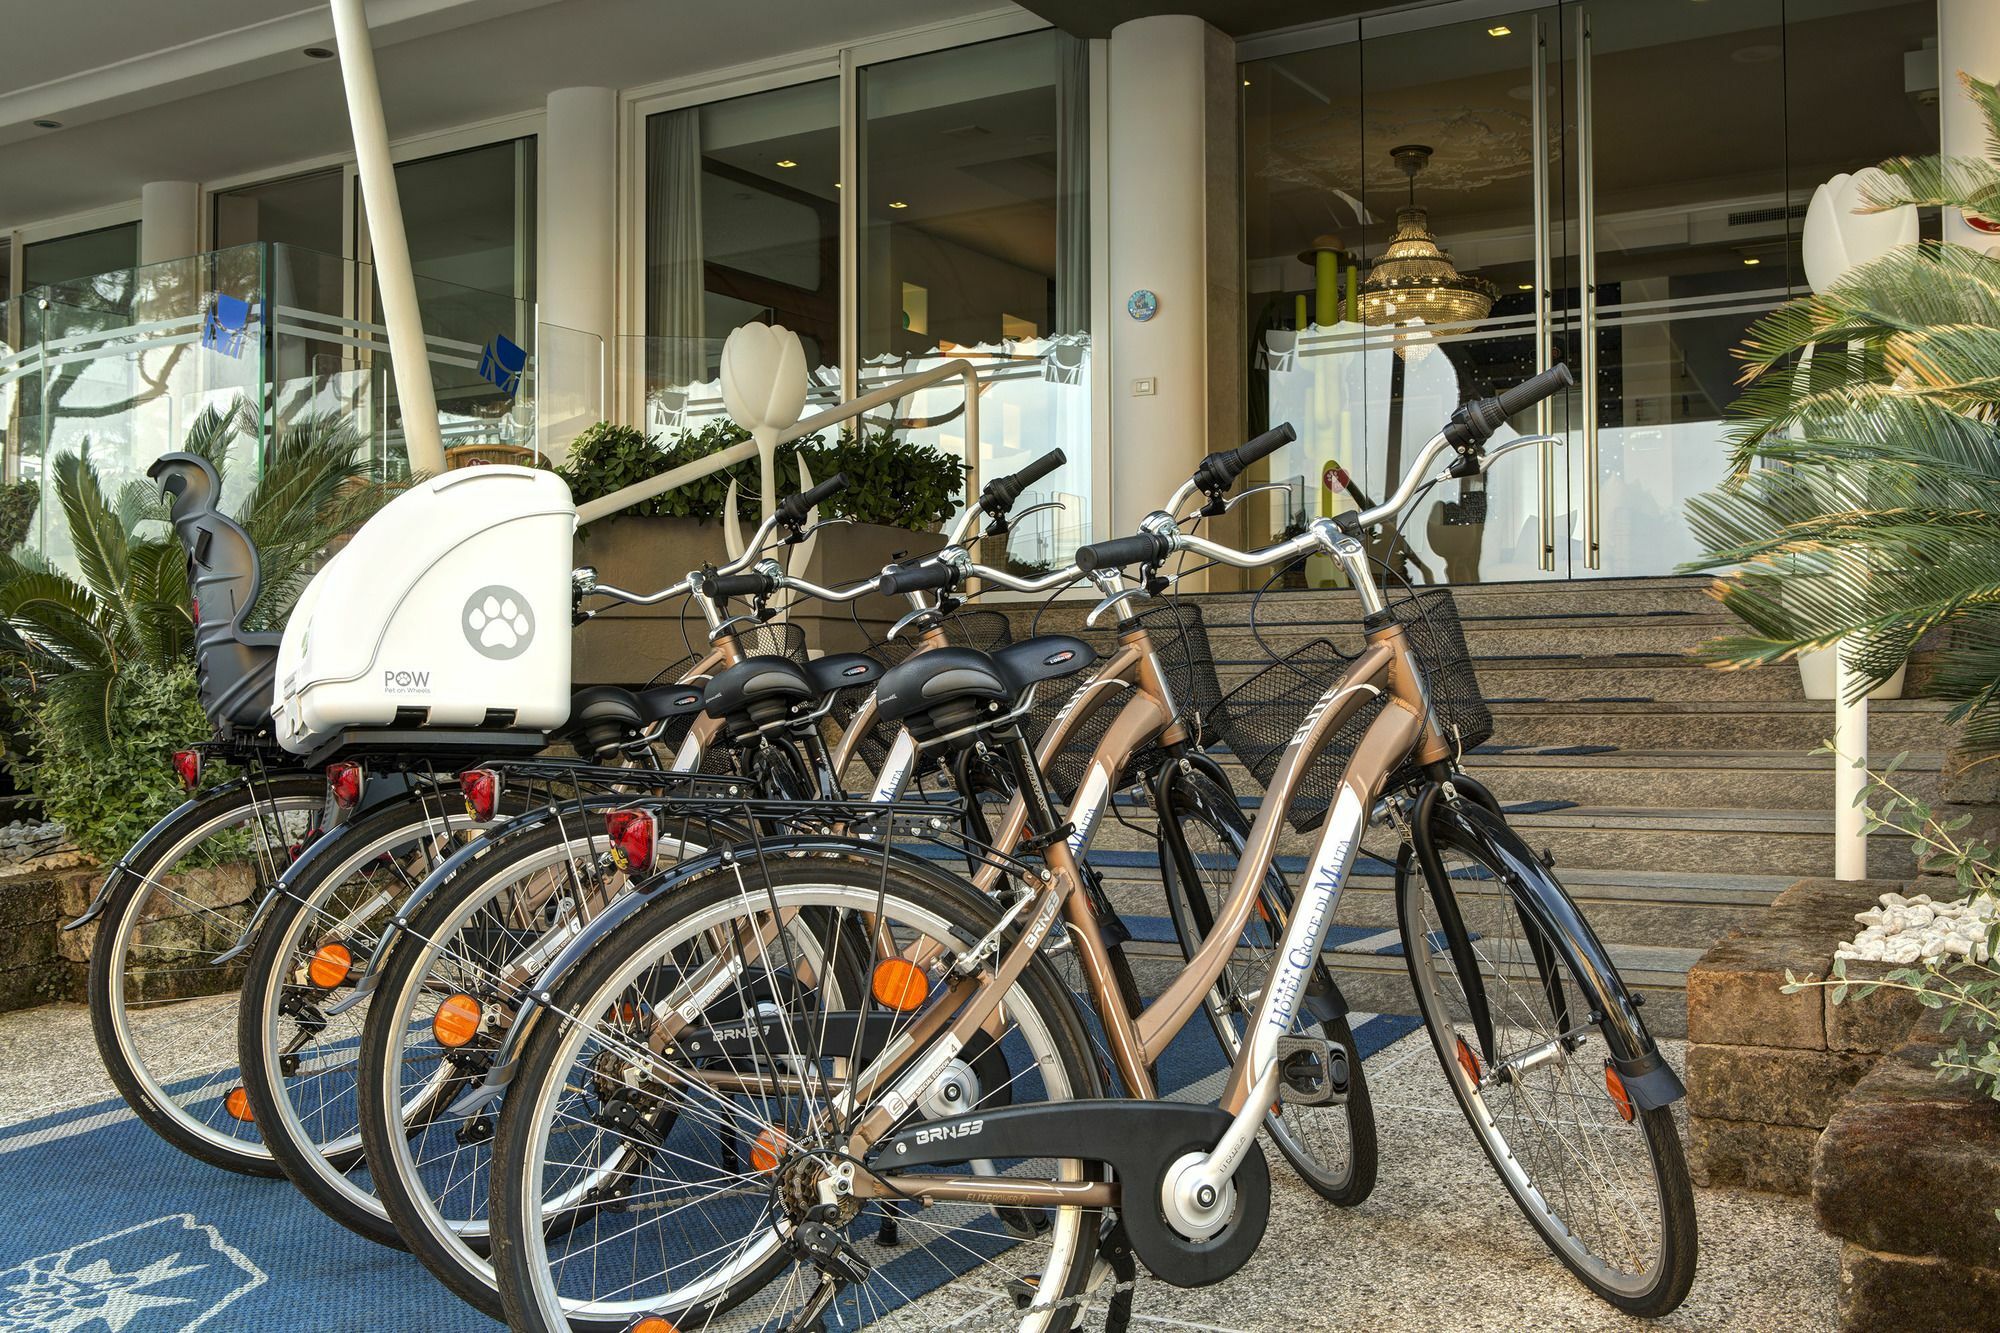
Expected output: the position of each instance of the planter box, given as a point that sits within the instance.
(1907, 1176)
(1819, 677)
(1766, 1071)
(626, 645)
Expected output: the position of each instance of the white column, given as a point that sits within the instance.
(578, 240)
(1968, 40)
(422, 439)
(169, 220)
(1171, 231)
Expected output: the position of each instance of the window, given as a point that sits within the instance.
(470, 217)
(299, 210)
(975, 242)
(742, 225)
(83, 255)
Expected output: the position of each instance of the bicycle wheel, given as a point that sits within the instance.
(299, 1062)
(695, 1170)
(1603, 1182)
(483, 936)
(161, 1011)
(1332, 1148)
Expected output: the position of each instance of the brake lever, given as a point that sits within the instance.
(1519, 442)
(814, 530)
(910, 619)
(751, 622)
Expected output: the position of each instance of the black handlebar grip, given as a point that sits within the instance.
(930, 576)
(998, 495)
(1531, 391)
(1145, 548)
(1218, 472)
(721, 586)
(1269, 442)
(793, 509)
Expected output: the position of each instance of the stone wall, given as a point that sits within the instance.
(1907, 1176)
(1766, 1071)
(40, 963)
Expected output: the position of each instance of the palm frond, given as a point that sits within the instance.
(95, 533)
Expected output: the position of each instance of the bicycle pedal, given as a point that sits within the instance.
(1313, 1071)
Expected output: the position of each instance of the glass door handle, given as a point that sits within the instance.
(1586, 194)
(1545, 555)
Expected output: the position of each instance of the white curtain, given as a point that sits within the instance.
(674, 246)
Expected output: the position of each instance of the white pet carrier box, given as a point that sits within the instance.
(449, 609)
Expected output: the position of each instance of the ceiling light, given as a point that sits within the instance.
(1246, 83)
(1752, 259)
(897, 203)
(48, 124)
(786, 162)
(1500, 30)
(1527, 286)
(317, 53)
(1415, 282)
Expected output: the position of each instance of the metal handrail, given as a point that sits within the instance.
(956, 368)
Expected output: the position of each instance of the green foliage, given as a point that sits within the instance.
(108, 791)
(1965, 993)
(18, 502)
(98, 653)
(1864, 507)
(892, 482)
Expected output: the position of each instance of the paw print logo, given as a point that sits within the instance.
(498, 623)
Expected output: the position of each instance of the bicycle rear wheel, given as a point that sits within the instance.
(1332, 1148)
(1604, 1182)
(162, 1012)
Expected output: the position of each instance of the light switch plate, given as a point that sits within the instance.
(1142, 388)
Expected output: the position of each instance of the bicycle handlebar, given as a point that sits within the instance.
(1145, 548)
(922, 577)
(1000, 493)
(1219, 471)
(793, 509)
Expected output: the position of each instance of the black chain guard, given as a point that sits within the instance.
(1139, 1140)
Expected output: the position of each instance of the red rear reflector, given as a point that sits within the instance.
(329, 966)
(1619, 1097)
(343, 781)
(1469, 1062)
(899, 984)
(633, 838)
(187, 767)
(457, 1021)
(481, 789)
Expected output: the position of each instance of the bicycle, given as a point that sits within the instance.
(868, 1118)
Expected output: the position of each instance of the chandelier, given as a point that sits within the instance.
(1415, 282)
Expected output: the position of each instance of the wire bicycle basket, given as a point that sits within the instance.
(1258, 717)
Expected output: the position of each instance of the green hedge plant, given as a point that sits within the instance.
(893, 482)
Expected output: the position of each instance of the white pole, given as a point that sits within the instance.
(405, 323)
(1850, 773)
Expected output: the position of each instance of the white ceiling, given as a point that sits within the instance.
(207, 89)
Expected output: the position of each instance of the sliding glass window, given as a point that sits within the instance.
(742, 226)
(975, 243)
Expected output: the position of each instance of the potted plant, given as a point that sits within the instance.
(899, 493)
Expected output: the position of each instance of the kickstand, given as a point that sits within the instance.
(1116, 1250)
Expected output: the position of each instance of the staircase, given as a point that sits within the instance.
(1677, 799)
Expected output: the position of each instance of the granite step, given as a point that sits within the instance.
(1801, 725)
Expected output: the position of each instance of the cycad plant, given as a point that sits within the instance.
(1864, 504)
(104, 654)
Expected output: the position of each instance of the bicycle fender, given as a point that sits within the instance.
(123, 866)
(621, 908)
(1651, 1082)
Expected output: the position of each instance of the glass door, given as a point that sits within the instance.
(1682, 237)
(1404, 226)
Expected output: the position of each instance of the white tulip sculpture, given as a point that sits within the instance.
(764, 389)
(1839, 238)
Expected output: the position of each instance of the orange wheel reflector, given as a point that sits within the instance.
(237, 1103)
(652, 1323)
(1469, 1062)
(457, 1021)
(1619, 1097)
(770, 1146)
(329, 966)
(900, 984)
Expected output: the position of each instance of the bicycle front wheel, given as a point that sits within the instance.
(1603, 1182)
(694, 1159)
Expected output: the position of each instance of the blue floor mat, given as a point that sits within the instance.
(110, 1230)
